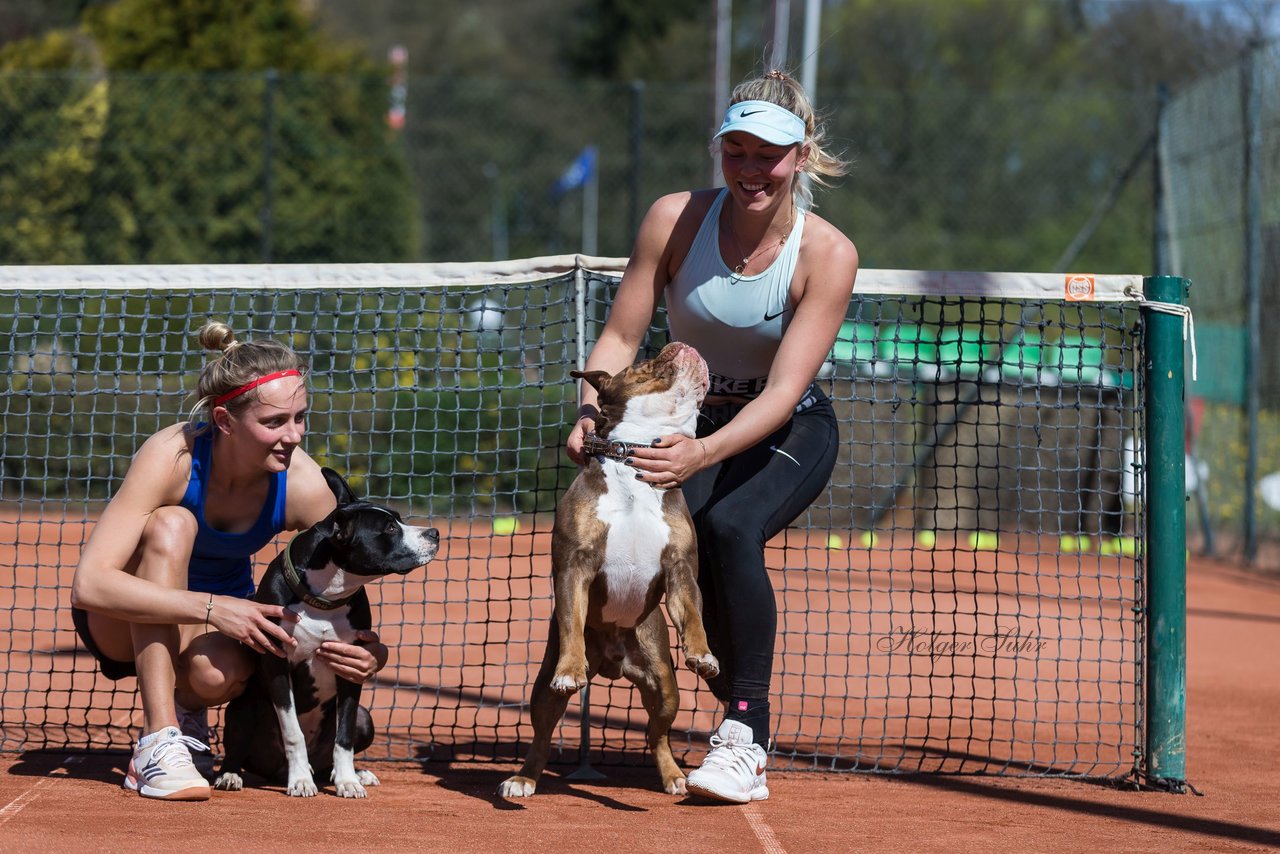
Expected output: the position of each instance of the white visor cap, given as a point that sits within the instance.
(764, 119)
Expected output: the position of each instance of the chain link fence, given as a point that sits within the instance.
(241, 168)
(1220, 173)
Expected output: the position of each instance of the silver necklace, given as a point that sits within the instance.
(747, 259)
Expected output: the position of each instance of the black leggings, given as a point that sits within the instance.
(737, 506)
(112, 669)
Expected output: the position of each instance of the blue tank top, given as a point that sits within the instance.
(736, 322)
(222, 563)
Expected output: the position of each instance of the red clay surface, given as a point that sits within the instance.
(72, 801)
(895, 658)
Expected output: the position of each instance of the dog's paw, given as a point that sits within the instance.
(675, 786)
(302, 788)
(365, 777)
(228, 782)
(568, 684)
(517, 787)
(349, 789)
(705, 665)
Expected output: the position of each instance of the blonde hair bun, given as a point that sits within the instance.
(216, 335)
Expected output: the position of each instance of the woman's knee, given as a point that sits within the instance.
(213, 669)
(728, 529)
(166, 546)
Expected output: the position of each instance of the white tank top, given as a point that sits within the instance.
(736, 322)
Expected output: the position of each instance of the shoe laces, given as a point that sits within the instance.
(176, 751)
(732, 756)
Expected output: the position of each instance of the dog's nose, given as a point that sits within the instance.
(433, 534)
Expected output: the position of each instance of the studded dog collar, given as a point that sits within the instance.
(299, 587)
(611, 449)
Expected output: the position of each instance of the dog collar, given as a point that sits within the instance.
(612, 449)
(299, 587)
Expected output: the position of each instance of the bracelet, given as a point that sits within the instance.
(208, 609)
(704, 449)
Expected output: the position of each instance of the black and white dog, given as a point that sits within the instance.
(296, 715)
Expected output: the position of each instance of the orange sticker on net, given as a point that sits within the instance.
(1080, 288)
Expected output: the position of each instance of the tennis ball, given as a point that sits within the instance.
(505, 525)
(926, 539)
(1109, 547)
(1074, 543)
(1127, 546)
(834, 542)
(983, 541)
(869, 539)
(486, 316)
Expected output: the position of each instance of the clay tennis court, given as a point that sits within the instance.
(451, 707)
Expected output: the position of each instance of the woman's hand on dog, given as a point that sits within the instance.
(578, 435)
(356, 662)
(251, 623)
(670, 461)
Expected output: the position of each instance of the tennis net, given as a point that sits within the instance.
(969, 595)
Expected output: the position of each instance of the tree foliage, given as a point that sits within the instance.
(621, 39)
(457, 39)
(982, 132)
(197, 131)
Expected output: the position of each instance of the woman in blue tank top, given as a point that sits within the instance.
(759, 285)
(161, 590)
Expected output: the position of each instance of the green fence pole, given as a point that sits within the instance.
(1166, 548)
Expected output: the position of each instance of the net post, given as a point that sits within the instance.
(580, 312)
(584, 771)
(1165, 478)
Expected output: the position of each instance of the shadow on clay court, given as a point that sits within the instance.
(914, 758)
(482, 784)
(98, 767)
(1232, 615)
(1134, 815)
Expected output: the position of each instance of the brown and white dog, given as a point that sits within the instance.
(617, 546)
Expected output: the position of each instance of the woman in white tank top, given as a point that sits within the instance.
(759, 285)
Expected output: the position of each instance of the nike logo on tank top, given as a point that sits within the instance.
(736, 322)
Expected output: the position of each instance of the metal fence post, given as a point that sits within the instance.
(635, 160)
(584, 771)
(1166, 520)
(1253, 162)
(272, 78)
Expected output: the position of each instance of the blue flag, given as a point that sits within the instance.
(579, 172)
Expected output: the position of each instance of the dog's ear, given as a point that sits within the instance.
(324, 527)
(597, 379)
(338, 486)
(344, 527)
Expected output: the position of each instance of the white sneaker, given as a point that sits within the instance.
(734, 768)
(163, 768)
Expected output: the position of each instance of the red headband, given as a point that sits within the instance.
(218, 401)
